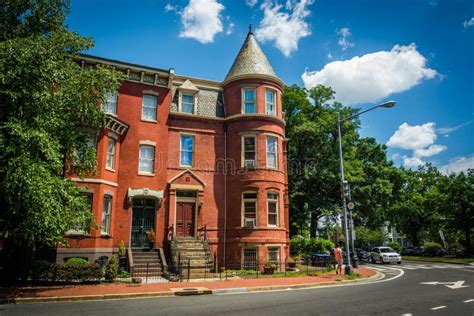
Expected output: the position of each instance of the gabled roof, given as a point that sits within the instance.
(188, 85)
(250, 61)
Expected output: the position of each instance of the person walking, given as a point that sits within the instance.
(338, 257)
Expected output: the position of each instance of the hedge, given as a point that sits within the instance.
(431, 248)
(71, 271)
(395, 246)
(300, 246)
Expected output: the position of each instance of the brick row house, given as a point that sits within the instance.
(190, 159)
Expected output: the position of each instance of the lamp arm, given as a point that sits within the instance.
(357, 114)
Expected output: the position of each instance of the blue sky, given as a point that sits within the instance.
(417, 52)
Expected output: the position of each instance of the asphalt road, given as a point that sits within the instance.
(400, 293)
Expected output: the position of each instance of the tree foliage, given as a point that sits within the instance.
(49, 109)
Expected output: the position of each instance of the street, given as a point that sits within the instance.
(410, 288)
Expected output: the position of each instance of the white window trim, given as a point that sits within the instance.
(276, 152)
(116, 105)
(114, 159)
(150, 92)
(144, 119)
(277, 202)
(278, 249)
(180, 100)
(109, 222)
(150, 144)
(243, 208)
(274, 102)
(254, 89)
(242, 140)
(193, 151)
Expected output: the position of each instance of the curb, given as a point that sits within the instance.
(183, 292)
(460, 263)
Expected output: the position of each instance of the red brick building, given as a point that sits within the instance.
(184, 156)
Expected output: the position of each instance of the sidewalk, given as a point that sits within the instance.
(121, 290)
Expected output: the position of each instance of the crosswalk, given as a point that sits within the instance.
(427, 266)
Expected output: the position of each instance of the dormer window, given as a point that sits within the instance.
(187, 103)
(270, 102)
(248, 104)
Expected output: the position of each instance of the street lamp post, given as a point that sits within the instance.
(389, 104)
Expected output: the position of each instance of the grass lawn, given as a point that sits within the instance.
(438, 259)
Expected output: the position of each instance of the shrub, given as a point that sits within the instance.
(111, 270)
(396, 246)
(41, 270)
(455, 250)
(121, 250)
(77, 261)
(69, 272)
(123, 274)
(431, 248)
(270, 265)
(297, 246)
(300, 246)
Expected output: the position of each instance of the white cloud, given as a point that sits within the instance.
(413, 137)
(285, 29)
(230, 29)
(418, 138)
(329, 55)
(448, 130)
(343, 41)
(412, 162)
(374, 76)
(469, 22)
(430, 151)
(201, 20)
(169, 7)
(458, 164)
(251, 3)
(395, 156)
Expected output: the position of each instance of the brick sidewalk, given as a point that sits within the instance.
(122, 290)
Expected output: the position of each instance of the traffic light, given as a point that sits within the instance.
(346, 189)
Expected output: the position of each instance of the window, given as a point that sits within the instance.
(149, 107)
(80, 152)
(187, 148)
(106, 215)
(110, 161)
(187, 103)
(272, 209)
(274, 255)
(147, 159)
(250, 259)
(249, 101)
(78, 227)
(271, 152)
(250, 209)
(110, 105)
(270, 102)
(250, 151)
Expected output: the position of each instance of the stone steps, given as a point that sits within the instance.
(146, 263)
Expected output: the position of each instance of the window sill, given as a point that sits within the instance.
(149, 120)
(109, 169)
(146, 174)
(185, 167)
(111, 114)
(76, 234)
(105, 235)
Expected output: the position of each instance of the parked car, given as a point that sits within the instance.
(319, 259)
(362, 254)
(385, 255)
(407, 250)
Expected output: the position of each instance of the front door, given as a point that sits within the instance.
(143, 219)
(185, 219)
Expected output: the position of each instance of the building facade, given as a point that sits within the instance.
(182, 155)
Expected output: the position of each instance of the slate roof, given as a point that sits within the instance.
(250, 60)
(210, 103)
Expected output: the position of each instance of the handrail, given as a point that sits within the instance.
(206, 238)
(130, 258)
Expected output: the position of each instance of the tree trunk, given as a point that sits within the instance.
(314, 225)
(17, 261)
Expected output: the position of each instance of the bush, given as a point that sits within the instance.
(431, 248)
(41, 270)
(77, 261)
(111, 270)
(122, 250)
(396, 246)
(69, 272)
(455, 250)
(300, 246)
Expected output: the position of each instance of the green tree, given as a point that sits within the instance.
(417, 207)
(458, 205)
(48, 112)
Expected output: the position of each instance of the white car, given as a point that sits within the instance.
(385, 255)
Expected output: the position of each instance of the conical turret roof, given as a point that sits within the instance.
(250, 61)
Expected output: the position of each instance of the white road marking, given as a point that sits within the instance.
(469, 301)
(438, 307)
(452, 285)
(408, 314)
